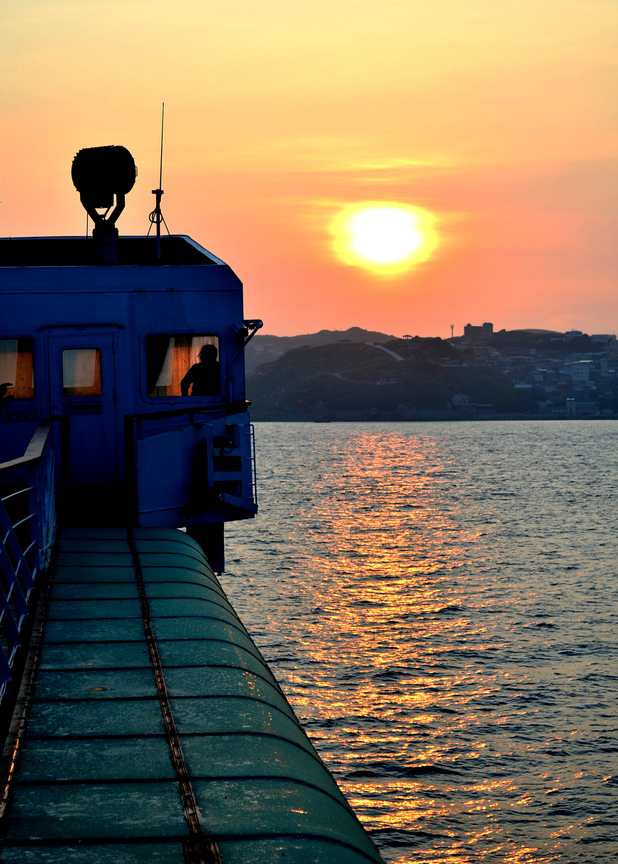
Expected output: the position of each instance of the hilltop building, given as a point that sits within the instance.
(478, 334)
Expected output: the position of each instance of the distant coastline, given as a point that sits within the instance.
(359, 375)
(424, 417)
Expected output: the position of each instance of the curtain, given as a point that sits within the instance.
(182, 353)
(81, 372)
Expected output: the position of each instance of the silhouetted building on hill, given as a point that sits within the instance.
(478, 334)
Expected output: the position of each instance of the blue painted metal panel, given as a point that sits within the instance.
(116, 309)
(196, 474)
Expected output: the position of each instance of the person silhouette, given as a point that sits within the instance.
(204, 376)
(3, 397)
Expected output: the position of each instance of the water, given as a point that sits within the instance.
(439, 602)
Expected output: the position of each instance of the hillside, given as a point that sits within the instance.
(358, 381)
(265, 349)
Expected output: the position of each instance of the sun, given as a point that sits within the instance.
(385, 234)
(384, 237)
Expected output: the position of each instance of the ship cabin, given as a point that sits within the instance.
(136, 358)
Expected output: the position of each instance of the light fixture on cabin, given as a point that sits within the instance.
(100, 175)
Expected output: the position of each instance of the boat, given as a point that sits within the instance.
(140, 721)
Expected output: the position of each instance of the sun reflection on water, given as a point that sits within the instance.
(389, 585)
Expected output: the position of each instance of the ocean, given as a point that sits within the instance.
(439, 603)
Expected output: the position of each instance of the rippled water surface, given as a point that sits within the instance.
(439, 603)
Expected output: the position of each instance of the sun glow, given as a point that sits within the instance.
(384, 237)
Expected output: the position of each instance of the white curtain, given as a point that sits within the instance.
(79, 366)
(198, 342)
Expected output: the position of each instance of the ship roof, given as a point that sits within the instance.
(80, 252)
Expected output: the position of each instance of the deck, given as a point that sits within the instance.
(154, 731)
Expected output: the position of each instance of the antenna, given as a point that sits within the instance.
(158, 216)
(161, 157)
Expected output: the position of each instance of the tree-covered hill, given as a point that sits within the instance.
(356, 380)
(263, 348)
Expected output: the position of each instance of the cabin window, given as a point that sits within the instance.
(17, 367)
(81, 372)
(183, 365)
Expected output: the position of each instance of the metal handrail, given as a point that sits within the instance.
(27, 533)
(251, 433)
(35, 448)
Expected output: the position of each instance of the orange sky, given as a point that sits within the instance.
(498, 116)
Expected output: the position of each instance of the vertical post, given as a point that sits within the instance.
(159, 192)
(36, 522)
(47, 498)
(132, 430)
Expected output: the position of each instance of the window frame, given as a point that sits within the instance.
(180, 400)
(36, 382)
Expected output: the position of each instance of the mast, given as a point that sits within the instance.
(156, 216)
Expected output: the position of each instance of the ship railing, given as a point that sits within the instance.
(27, 534)
(250, 431)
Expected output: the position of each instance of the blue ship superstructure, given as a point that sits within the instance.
(102, 347)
